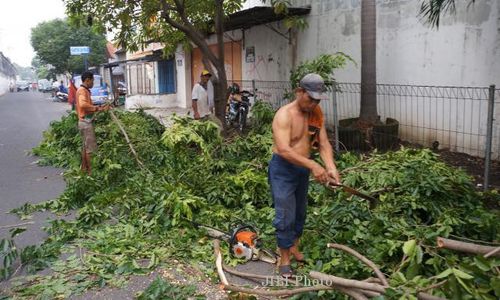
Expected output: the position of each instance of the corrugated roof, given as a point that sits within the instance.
(260, 15)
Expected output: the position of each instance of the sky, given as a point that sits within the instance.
(17, 17)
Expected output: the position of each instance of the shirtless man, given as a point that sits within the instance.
(298, 128)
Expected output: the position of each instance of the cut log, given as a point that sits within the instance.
(466, 247)
(362, 258)
(348, 283)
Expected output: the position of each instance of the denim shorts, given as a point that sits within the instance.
(289, 185)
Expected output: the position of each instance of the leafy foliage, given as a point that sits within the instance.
(51, 41)
(160, 289)
(132, 220)
(324, 65)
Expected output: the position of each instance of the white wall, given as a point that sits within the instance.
(151, 101)
(251, 3)
(272, 53)
(183, 77)
(465, 51)
(4, 84)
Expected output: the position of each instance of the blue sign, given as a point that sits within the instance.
(79, 50)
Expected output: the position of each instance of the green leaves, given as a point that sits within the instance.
(160, 289)
(8, 255)
(324, 65)
(51, 41)
(130, 221)
(409, 247)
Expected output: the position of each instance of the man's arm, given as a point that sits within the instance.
(281, 134)
(326, 153)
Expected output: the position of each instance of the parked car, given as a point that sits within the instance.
(99, 93)
(23, 85)
(44, 85)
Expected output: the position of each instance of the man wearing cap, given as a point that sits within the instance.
(200, 96)
(298, 128)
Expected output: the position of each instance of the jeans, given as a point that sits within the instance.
(289, 185)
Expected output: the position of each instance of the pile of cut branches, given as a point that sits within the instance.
(132, 219)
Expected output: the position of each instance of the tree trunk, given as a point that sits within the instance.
(220, 86)
(368, 112)
(220, 97)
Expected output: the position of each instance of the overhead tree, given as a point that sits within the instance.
(42, 71)
(52, 40)
(170, 22)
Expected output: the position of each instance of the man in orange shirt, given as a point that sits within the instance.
(85, 110)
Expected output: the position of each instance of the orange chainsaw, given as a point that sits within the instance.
(244, 243)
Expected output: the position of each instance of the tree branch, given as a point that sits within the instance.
(465, 247)
(16, 225)
(425, 296)
(218, 263)
(365, 260)
(492, 252)
(347, 283)
(115, 119)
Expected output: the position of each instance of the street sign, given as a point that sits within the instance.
(79, 50)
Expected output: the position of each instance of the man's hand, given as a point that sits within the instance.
(196, 115)
(320, 173)
(334, 175)
(103, 108)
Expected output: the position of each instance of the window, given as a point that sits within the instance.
(166, 76)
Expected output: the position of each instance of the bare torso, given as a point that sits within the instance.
(299, 135)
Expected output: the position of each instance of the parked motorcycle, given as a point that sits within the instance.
(238, 110)
(61, 97)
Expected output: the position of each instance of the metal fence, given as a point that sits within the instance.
(458, 119)
(454, 118)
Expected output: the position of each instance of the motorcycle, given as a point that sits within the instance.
(238, 110)
(61, 97)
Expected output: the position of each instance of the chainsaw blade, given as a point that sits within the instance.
(215, 233)
(265, 255)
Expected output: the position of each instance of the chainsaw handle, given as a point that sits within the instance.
(232, 240)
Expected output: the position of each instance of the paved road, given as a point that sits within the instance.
(23, 118)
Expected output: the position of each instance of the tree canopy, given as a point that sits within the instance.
(170, 22)
(51, 41)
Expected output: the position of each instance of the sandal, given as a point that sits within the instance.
(286, 271)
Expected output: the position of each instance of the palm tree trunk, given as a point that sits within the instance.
(368, 113)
